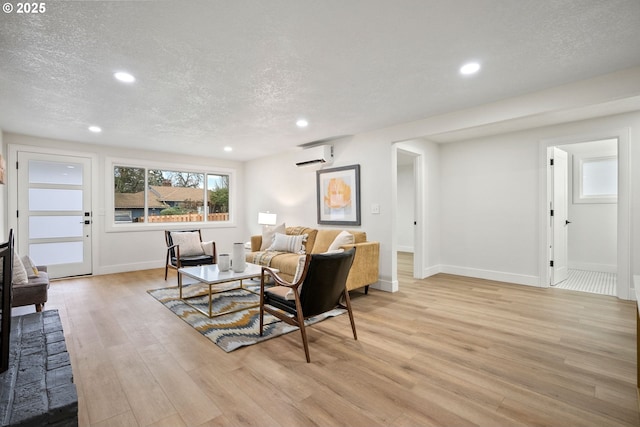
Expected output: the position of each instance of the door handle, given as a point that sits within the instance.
(567, 222)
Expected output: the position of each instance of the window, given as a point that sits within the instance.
(165, 195)
(596, 179)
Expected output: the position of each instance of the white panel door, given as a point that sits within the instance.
(54, 212)
(559, 222)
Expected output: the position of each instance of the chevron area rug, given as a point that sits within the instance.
(234, 330)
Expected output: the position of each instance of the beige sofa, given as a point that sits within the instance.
(364, 270)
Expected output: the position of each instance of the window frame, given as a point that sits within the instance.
(112, 226)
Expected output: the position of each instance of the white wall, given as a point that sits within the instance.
(490, 208)
(490, 199)
(135, 250)
(406, 208)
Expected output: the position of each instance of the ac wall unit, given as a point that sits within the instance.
(314, 155)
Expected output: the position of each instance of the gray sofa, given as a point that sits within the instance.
(35, 291)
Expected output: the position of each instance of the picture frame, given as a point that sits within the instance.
(338, 192)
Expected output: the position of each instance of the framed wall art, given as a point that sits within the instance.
(338, 192)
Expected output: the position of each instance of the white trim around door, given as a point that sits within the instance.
(623, 289)
(51, 208)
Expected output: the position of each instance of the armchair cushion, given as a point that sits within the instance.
(189, 242)
(191, 261)
(281, 292)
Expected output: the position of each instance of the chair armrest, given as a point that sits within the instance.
(177, 249)
(280, 281)
(365, 268)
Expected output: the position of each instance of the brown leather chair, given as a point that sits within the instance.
(320, 288)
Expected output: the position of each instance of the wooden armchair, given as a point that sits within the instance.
(186, 248)
(320, 288)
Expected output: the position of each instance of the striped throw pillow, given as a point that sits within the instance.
(286, 243)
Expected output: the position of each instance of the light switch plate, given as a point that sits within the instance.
(375, 208)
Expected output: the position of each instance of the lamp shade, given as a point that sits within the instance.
(266, 218)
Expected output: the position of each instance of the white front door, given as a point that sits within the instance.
(559, 220)
(54, 212)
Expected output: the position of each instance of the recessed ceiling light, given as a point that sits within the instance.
(124, 77)
(470, 68)
(95, 129)
(302, 123)
(228, 149)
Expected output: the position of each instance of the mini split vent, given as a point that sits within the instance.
(315, 155)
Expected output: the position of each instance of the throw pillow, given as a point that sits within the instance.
(207, 248)
(344, 238)
(285, 243)
(19, 272)
(299, 268)
(268, 234)
(32, 270)
(189, 242)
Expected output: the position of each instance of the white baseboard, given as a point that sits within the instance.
(590, 266)
(386, 285)
(123, 268)
(431, 271)
(499, 276)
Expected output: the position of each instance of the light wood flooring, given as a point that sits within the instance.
(444, 351)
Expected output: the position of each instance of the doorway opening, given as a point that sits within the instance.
(583, 216)
(408, 212)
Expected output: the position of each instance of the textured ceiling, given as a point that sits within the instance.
(239, 73)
